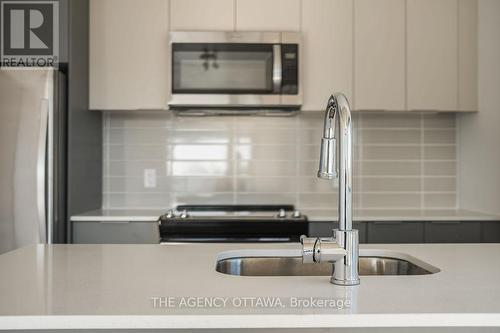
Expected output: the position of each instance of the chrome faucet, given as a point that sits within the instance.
(342, 249)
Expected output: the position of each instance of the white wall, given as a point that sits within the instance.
(479, 134)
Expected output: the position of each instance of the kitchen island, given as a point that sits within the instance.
(143, 286)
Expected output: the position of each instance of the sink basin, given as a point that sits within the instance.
(293, 266)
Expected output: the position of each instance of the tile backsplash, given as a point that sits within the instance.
(401, 160)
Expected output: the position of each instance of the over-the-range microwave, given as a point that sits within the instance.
(235, 72)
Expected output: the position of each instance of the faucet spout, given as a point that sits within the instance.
(330, 118)
(338, 116)
(328, 154)
(338, 113)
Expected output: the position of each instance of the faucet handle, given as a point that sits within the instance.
(315, 249)
(329, 250)
(308, 248)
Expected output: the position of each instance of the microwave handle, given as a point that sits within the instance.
(277, 69)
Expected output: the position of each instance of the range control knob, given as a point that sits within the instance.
(184, 214)
(296, 214)
(168, 215)
(282, 213)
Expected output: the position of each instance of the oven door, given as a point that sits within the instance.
(226, 69)
(220, 231)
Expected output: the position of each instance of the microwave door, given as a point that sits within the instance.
(225, 74)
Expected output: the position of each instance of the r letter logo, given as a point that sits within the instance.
(29, 33)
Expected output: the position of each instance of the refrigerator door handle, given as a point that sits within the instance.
(41, 170)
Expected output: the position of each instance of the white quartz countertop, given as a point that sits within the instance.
(113, 286)
(151, 215)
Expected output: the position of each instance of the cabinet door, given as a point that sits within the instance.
(432, 57)
(327, 51)
(320, 229)
(395, 232)
(379, 62)
(467, 55)
(261, 15)
(361, 227)
(87, 232)
(128, 54)
(453, 232)
(490, 232)
(201, 15)
(324, 229)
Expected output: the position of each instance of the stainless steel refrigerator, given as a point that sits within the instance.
(32, 156)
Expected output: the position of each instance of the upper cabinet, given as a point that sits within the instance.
(383, 54)
(128, 54)
(467, 55)
(327, 51)
(432, 51)
(202, 15)
(415, 55)
(379, 61)
(264, 15)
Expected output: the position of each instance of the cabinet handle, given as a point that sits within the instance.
(446, 222)
(387, 222)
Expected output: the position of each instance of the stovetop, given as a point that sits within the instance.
(233, 213)
(232, 223)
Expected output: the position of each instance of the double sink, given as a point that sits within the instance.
(370, 263)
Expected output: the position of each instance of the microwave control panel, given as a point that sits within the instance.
(290, 74)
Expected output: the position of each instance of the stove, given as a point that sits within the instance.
(232, 223)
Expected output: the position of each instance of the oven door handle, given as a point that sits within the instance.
(277, 69)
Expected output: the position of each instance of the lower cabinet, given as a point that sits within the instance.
(490, 232)
(395, 232)
(146, 232)
(320, 229)
(452, 232)
(87, 232)
(380, 232)
(324, 229)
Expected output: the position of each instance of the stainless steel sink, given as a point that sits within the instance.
(293, 266)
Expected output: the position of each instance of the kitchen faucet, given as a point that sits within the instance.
(342, 249)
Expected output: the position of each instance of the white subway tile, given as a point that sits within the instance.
(440, 184)
(444, 200)
(266, 152)
(432, 168)
(390, 168)
(439, 136)
(439, 120)
(275, 160)
(393, 136)
(266, 168)
(266, 184)
(266, 198)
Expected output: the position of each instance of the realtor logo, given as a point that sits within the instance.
(29, 33)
